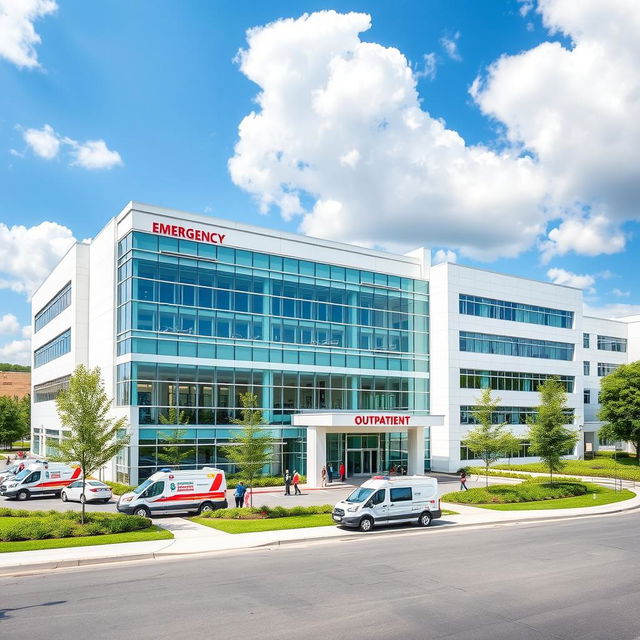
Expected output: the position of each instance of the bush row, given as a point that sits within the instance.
(118, 488)
(67, 525)
(260, 481)
(264, 511)
(603, 467)
(530, 491)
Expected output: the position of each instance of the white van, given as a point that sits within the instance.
(11, 470)
(385, 500)
(40, 478)
(169, 491)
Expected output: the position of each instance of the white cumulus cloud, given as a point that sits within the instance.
(429, 67)
(620, 294)
(28, 254)
(614, 310)
(92, 154)
(581, 281)
(444, 255)
(576, 108)
(9, 324)
(16, 352)
(340, 139)
(18, 37)
(450, 45)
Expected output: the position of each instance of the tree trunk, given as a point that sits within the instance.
(486, 474)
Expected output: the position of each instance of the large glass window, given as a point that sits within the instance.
(609, 343)
(47, 391)
(508, 380)
(514, 311)
(511, 346)
(54, 307)
(523, 451)
(506, 415)
(53, 349)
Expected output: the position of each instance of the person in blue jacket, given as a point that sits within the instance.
(239, 493)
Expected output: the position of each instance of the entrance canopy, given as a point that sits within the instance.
(319, 424)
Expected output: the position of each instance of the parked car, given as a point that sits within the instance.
(388, 500)
(94, 491)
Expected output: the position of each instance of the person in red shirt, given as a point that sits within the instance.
(296, 482)
(342, 472)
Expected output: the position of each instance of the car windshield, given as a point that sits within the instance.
(23, 474)
(143, 486)
(359, 495)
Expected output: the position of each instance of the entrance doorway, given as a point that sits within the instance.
(362, 462)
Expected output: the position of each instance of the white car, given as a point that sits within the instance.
(94, 491)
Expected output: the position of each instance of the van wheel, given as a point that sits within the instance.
(366, 524)
(425, 519)
(22, 495)
(205, 507)
(142, 511)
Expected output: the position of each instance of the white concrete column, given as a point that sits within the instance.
(415, 461)
(316, 454)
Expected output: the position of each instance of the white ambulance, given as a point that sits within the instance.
(15, 467)
(389, 500)
(40, 478)
(169, 491)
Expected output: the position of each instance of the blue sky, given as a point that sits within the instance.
(144, 100)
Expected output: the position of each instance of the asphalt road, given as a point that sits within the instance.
(573, 579)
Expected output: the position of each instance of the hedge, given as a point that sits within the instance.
(38, 525)
(249, 513)
(529, 491)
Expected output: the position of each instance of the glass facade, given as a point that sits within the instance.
(53, 349)
(286, 329)
(508, 415)
(605, 368)
(511, 346)
(48, 391)
(514, 311)
(524, 451)
(508, 380)
(54, 307)
(608, 343)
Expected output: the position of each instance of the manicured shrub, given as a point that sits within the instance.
(529, 491)
(265, 511)
(118, 488)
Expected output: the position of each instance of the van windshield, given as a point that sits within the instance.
(143, 486)
(23, 474)
(359, 495)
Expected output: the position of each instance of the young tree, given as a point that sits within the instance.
(251, 449)
(488, 441)
(10, 420)
(620, 405)
(83, 409)
(25, 417)
(550, 438)
(173, 453)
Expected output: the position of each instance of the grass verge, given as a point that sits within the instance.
(267, 524)
(152, 533)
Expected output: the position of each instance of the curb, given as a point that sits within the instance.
(158, 555)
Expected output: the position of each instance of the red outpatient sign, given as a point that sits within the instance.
(382, 420)
(187, 232)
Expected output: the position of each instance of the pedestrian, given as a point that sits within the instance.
(323, 475)
(239, 494)
(247, 497)
(8, 460)
(342, 471)
(330, 473)
(463, 480)
(287, 483)
(296, 482)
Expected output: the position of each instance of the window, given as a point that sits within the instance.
(49, 390)
(510, 346)
(586, 368)
(609, 343)
(155, 489)
(605, 368)
(508, 380)
(54, 307)
(53, 349)
(585, 340)
(34, 477)
(508, 415)
(514, 311)
(378, 496)
(400, 494)
(587, 396)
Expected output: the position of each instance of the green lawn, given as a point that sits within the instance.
(602, 467)
(602, 496)
(152, 533)
(267, 524)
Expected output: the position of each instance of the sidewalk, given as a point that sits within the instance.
(192, 538)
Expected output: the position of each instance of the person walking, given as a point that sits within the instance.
(296, 482)
(239, 494)
(330, 473)
(323, 475)
(341, 470)
(287, 483)
(247, 497)
(463, 480)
